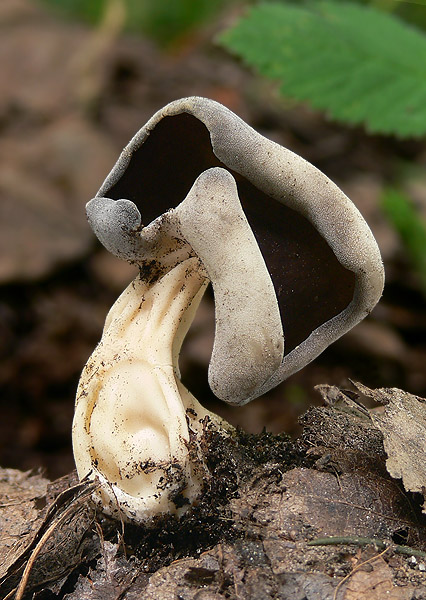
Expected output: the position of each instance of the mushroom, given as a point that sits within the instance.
(198, 196)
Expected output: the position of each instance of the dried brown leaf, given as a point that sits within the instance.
(374, 582)
(21, 495)
(403, 425)
(317, 504)
(60, 535)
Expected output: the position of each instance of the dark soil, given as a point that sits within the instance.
(231, 463)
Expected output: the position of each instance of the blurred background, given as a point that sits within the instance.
(343, 87)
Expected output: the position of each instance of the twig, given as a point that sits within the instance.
(364, 541)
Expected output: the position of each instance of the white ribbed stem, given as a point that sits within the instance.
(133, 415)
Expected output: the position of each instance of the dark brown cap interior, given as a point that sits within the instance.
(311, 285)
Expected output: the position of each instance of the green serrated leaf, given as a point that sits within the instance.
(353, 61)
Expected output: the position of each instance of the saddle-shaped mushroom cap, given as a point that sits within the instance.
(292, 262)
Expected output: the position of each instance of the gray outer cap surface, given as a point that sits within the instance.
(222, 187)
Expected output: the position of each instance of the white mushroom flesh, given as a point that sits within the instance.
(133, 418)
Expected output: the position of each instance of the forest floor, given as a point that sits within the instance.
(316, 518)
